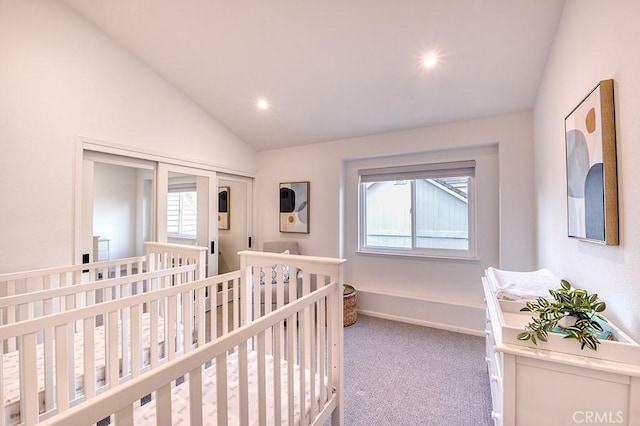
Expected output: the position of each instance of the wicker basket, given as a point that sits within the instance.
(350, 313)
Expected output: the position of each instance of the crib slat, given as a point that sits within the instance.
(302, 333)
(62, 368)
(180, 303)
(71, 379)
(163, 406)
(89, 375)
(187, 320)
(12, 344)
(312, 364)
(243, 383)
(277, 374)
(199, 315)
(290, 362)
(47, 343)
(124, 327)
(330, 343)
(281, 296)
(225, 307)
(256, 292)
(195, 396)
(221, 389)
(170, 325)
(124, 417)
(213, 298)
(28, 381)
(236, 303)
(153, 338)
(268, 286)
(136, 341)
(262, 385)
(322, 348)
(113, 361)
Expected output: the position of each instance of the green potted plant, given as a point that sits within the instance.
(567, 302)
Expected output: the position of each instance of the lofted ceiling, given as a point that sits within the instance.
(338, 68)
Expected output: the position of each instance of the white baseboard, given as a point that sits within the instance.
(415, 321)
(430, 313)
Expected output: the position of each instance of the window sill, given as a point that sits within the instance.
(415, 255)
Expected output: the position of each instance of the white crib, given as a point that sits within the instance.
(30, 295)
(278, 367)
(158, 256)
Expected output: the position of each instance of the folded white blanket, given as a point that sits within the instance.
(512, 285)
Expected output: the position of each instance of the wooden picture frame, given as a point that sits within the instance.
(592, 188)
(294, 207)
(224, 207)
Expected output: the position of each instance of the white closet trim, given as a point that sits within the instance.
(126, 151)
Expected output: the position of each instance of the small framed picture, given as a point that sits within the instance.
(224, 202)
(294, 207)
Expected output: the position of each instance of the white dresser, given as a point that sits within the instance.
(555, 382)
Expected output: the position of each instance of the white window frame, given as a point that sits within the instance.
(413, 172)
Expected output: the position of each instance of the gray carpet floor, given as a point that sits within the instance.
(404, 374)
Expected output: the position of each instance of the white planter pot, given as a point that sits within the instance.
(567, 321)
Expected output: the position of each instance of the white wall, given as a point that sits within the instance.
(596, 40)
(115, 208)
(508, 227)
(61, 78)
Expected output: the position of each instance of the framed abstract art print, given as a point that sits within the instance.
(294, 207)
(592, 189)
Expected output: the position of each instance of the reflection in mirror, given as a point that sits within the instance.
(232, 238)
(224, 202)
(182, 209)
(122, 210)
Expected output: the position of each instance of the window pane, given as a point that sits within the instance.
(182, 213)
(173, 213)
(388, 214)
(442, 213)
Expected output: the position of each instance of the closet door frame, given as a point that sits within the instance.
(90, 144)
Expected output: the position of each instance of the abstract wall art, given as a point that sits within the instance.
(224, 201)
(592, 190)
(294, 207)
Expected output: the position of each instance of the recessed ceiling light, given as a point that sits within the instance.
(430, 60)
(262, 104)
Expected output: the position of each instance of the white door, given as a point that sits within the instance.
(187, 205)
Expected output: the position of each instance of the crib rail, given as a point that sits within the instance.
(167, 255)
(307, 396)
(176, 323)
(21, 307)
(29, 294)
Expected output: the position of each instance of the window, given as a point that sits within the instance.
(182, 213)
(420, 210)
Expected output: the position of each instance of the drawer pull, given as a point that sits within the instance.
(487, 359)
(494, 415)
(495, 378)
